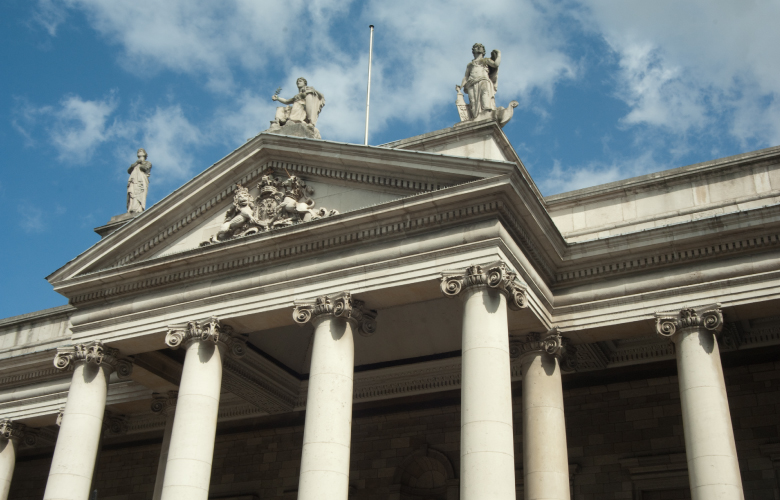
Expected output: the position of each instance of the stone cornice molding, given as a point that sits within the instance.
(12, 430)
(210, 330)
(93, 353)
(165, 404)
(708, 318)
(550, 342)
(339, 305)
(496, 275)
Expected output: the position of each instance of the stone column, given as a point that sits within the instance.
(487, 458)
(545, 456)
(713, 469)
(191, 448)
(73, 463)
(328, 425)
(11, 434)
(164, 405)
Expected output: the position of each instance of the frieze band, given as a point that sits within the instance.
(707, 317)
(340, 305)
(210, 330)
(95, 353)
(496, 275)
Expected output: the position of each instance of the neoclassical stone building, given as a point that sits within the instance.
(317, 320)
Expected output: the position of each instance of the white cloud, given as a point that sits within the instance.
(421, 50)
(49, 14)
(561, 179)
(77, 128)
(695, 66)
(80, 127)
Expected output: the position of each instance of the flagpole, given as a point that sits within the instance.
(368, 92)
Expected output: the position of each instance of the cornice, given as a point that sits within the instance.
(348, 162)
(680, 174)
(325, 235)
(723, 247)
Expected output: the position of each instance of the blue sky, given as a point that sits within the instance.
(608, 89)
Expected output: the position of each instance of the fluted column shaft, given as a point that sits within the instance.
(166, 406)
(328, 424)
(73, 464)
(713, 468)
(10, 436)
(487, 460)
(545, 454)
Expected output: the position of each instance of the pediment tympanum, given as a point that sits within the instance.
(305, 181)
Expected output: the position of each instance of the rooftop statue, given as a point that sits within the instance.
(138, 183)
(481, 83)
(299, 117)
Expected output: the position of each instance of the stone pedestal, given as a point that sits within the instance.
(73, 464)
(545, 455)
(11, 434)
(328, 426)
(165, 405)
(713, 469)
(487, 465)
(191, 448)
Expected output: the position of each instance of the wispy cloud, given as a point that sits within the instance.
(562, 178)
(77, 128)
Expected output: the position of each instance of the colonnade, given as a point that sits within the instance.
(487, 465)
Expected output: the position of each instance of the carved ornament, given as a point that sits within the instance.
(281, 203)
(210, 330)
(92, 352)
(340, 305)
(496, 275)
(708, 317)
(11, 430)
(114, 425)
(551, 342)
(165, 404)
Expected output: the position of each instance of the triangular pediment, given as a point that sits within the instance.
(339, 178)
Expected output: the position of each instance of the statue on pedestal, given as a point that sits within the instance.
(138, 183)
(299, 117)
(481, 83)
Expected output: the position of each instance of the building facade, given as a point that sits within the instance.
(310, 319)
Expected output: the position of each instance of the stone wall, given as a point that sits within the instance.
(625, 441)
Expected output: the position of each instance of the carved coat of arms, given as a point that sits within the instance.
(281, 203)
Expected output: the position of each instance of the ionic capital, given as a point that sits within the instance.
(340, 305)
(11, 430)
(113, 424)
(551, 342)
(496, 275)
(210, 330)
(95, 353)
(709, 318)
(165, 404)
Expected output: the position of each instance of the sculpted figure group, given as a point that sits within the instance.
(279, 204)
(287, 202)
